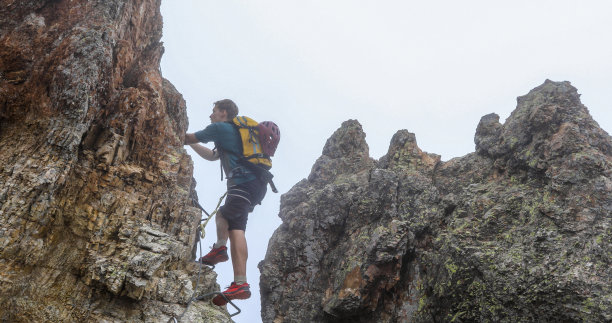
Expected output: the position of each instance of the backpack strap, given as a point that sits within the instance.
(254, 156)
(218, 151)
(262, 173)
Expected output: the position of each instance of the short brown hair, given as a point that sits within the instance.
(228, 106)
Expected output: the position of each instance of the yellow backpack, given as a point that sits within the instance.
(253, 155)
(252, 149)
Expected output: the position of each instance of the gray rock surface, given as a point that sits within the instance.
(518, 231)
(97, 222)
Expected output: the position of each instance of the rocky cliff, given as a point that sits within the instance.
(519, 230)
(96, 215)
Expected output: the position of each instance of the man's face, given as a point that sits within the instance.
(218, 115)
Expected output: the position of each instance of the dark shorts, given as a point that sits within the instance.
(241, 200)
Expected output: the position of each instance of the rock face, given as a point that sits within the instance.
(520, 230)
(96, 215)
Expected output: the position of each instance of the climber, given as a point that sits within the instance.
(244, 191)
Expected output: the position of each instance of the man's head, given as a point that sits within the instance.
(224, 110)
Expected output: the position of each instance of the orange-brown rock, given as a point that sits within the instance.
(96, 214)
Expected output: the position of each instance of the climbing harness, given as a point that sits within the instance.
(195, 291)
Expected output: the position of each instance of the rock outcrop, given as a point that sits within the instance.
(96, 215)
(518, 231)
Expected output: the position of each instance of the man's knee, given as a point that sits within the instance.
(219, 216)
(220, 220)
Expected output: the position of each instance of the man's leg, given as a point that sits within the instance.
(219, 250)
(240, 253)
(239, 289)
(239, 210)
(222, 227)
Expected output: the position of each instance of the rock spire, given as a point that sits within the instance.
(519, 230)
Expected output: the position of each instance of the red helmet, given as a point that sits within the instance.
(269, 136)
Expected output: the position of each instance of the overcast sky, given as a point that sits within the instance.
(433, 68)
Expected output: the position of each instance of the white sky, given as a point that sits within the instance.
(433, 68)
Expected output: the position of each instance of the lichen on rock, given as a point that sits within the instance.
(517, 231)
(96, 215)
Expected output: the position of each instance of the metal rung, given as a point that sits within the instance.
(201, 297)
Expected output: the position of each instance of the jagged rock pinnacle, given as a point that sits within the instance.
(520, 230)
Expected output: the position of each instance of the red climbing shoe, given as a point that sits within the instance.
(241, 291)
(215, 256)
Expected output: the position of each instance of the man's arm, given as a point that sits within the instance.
(205, 152)
(190, 138)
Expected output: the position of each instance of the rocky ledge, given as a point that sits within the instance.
(518, 231)
(97, 222)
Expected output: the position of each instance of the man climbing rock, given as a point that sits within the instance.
(245, 189)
